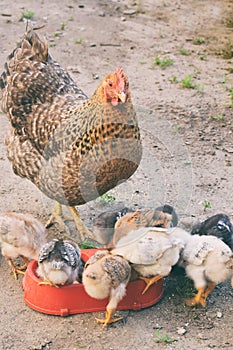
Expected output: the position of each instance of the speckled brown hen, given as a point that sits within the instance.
(73, 148)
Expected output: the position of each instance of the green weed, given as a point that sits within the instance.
(163, 338)
(163, 63)
(26, 14)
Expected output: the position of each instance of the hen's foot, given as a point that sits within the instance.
(150, 281)
(108, 319)
(198, 299)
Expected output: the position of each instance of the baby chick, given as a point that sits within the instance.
(103, 225)
(140, 218)
(207, 261)
(59, 263)
(21, 235)
(218, 225)
(151, 251)
(106, 276)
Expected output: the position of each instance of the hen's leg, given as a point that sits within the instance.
(150, 281)
(56, 216)
(108, 318)
(197, 299)
(82, 229)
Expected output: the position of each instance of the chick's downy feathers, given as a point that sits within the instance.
(59, 263)
(106, 276)
(207, 261)
(21, 235)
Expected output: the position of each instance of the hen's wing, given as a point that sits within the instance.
(37, 93)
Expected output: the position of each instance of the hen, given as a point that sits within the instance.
(218, 225)
(73, 148)
(59, 263)
(106, 276)
(207, 261)
(151, 251)
(21, 235)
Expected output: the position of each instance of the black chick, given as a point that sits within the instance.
(60, 263)
(218, 225)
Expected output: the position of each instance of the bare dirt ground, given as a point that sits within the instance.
(187, 133)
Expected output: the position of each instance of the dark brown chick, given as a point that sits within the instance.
(73, 148)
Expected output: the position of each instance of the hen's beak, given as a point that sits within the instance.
(122, 96)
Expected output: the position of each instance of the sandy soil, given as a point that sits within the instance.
(187, 152)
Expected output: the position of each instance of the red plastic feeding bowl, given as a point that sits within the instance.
(72, 299)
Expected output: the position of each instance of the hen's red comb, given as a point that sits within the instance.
(121, 78)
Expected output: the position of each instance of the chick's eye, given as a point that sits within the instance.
(110, 84)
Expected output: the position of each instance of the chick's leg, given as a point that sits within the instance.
(150, 281)
(208, 290)
(48, 283)
(16, 271)
(108, 319)
(197, 299)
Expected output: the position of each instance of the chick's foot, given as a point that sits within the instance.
(108, 319)
(198, 299)
(150, 281)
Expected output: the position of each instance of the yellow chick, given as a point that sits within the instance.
(106, 276)
(21, 235)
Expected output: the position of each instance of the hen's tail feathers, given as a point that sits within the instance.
(31, 47)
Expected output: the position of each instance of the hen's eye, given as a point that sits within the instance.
(110, 84)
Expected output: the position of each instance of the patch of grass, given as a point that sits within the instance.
(198, 41)
(184, 52)
(79, 41)
(186, 288)
(206, 204)
(106, 198)
(62, 27)
(87, 244)
(163, 63)
(217, 117)
(231, 96)
(202, 57)
(26, 14)
(163, 338)
(174, 79)
(187, 82)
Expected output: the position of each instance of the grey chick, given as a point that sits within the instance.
(218, 225)
(21, 235)
(103, 225)
(105, 276)
(59, 263)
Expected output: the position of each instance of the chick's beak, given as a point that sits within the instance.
(122, 96)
